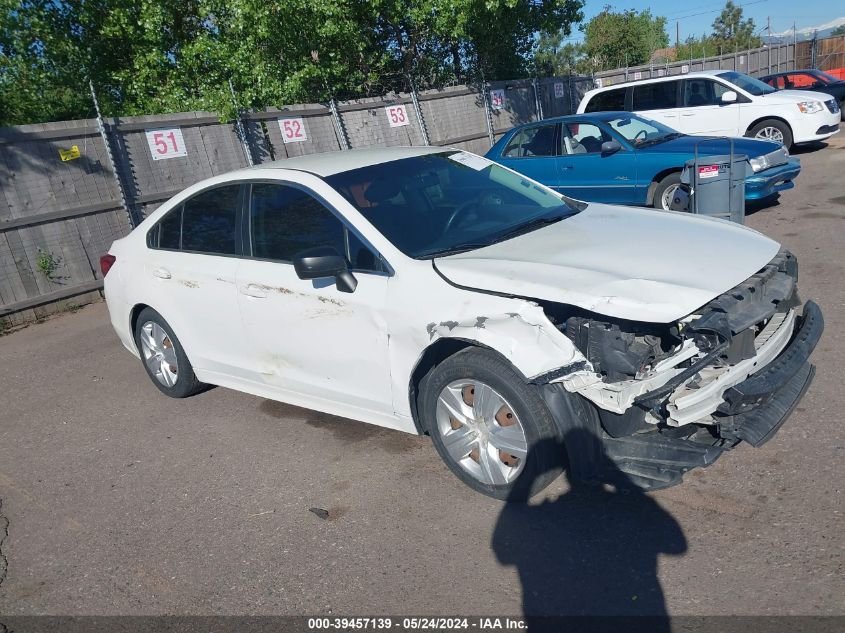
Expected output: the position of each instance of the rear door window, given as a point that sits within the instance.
(661, 95)
(170, 230)
(209, 221)
(609, 100)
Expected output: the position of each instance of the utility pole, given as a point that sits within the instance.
(677, 34)
(769, 30)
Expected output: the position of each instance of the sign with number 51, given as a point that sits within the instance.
(397, 116)
(166, 143)
(293, 130)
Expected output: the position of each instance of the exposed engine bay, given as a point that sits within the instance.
(675, 374)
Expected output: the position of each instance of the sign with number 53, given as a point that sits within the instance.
(397, 116)
(166, 143)
(293, 130)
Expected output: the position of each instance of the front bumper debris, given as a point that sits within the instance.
(752, 411)
(756, 408)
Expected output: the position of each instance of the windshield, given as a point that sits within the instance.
(825, 78)
(640, 131)
(749, 84)
(448, 202)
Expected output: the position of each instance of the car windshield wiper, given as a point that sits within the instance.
(529, 226)
(451, 250)
(660, 139)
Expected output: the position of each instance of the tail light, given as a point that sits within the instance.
(106, 262)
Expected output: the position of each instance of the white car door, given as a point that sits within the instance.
(702, 110)
(657, 101)
(190, 271)
(306, 337)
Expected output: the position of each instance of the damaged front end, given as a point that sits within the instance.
(671, 397)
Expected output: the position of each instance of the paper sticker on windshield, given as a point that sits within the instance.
(471, 160)
(708, 171)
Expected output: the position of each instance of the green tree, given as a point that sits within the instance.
(556, 56)
(733, 33)
(152, 56)
(614, 39)
(694, 48)
(839, 30)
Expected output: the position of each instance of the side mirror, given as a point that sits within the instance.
(610, 147)
(322, 262)
(729, 97)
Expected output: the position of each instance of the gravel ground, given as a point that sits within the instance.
(121, 501)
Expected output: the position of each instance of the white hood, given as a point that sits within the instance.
(622, 262)
(795, 96)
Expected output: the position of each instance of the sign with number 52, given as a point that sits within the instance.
(166, 143)
(293, 130)
(397, 116)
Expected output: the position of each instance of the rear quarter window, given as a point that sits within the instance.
(609, 100)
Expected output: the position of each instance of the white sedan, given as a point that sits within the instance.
(432, 291)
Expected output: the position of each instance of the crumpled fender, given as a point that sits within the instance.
(525, 337)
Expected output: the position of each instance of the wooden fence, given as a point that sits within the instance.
(64, 198)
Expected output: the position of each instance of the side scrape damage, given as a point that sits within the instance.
(527, 338)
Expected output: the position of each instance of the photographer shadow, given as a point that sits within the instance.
(593, 551)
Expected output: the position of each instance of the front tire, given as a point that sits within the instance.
(163, 356)
(665, 190)
(491, 428)
(772, 130)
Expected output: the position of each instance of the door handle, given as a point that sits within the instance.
(565, 167)
(688, 114)
(253, 290)
(161, 273)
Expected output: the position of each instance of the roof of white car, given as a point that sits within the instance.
(694, 73)
(330, 163)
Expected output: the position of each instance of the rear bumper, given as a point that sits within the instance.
(771, 181)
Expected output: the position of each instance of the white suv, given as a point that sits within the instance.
(725, 103)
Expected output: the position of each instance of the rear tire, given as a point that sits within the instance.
(772, 130)
(163, 356)
(469, 440)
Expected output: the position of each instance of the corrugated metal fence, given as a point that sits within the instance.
(62, 202)
(755, 62)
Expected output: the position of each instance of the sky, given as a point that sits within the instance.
(697, 18)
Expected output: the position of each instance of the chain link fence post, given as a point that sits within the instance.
(338, 125)
(239, 127)
(101, 125)
(418, 110)
(488, 112)
(537, 102)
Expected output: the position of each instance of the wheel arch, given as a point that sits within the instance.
(652, 187)
(134, 314)
(769, 118)
(438, 351)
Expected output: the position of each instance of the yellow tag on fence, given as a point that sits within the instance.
(69, 154)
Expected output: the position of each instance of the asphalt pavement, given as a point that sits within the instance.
(122, 501)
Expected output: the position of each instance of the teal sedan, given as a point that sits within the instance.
(623, 158)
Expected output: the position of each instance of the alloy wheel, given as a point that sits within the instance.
(668, 196)
(770, 133)
(159, 353)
